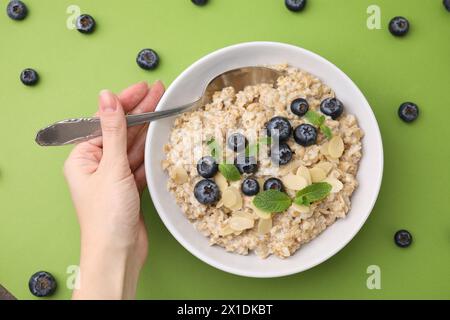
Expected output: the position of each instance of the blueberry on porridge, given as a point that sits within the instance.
(266, 169)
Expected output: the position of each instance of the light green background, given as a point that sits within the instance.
(38, 228)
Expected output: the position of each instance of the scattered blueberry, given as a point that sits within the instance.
(403, 238)
(29, 77)
(273, 184)
(206, 191)
(42, 284)
(207, 167)
(408, 111)
(147, 59)
(281, 155)
(305, 135)
(85, 24)
(447, 5)
(199, 2)
(250, 187)
(246, 164)
(295, 5)
(17, 10)
(299, 107)
(280, 127)
(332, 107)
(237, 142)
(399, 26)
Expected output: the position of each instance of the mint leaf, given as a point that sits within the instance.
(265, 140)
(214, 148)
(319, 121)
(301, 201)
(229, 171)
(312, 193)
(315, 118)
(272, 201)
(326, 131)
(253, 149)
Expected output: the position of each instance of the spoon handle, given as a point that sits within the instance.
(81, 129)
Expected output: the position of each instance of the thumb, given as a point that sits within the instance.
(114, 128)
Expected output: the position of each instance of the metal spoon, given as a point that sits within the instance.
(82, 129)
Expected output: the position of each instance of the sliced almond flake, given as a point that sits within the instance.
(264, 226)
(240, 223)
(165, 164)
(317, 174)
(179, 175)
(304, 172)
(243, 215)
(336, 185)
(290, 167)
(306, 215)
(229, 197)
(336, 147)
(294, 182)
(219, 204)
(237, 206)
(239, 202)
(221, 181)
(324, 149)
(301, 208)
(325, 165)
(261, 183)
(261, 214)
(225, 231)
(285, 251)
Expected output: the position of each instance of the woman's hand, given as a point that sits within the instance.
(106, 177)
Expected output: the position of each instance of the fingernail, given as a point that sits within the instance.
(108, 102)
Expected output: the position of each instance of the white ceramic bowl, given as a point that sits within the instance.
(188, 86)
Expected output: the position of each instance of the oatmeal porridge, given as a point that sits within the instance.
(266, 169)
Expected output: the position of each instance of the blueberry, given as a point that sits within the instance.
(206, 192)
(147, 59)
(85, 24)
(199, 2)
(332, 107)
(29, 77)
(250, 187)
(237, 142)
(403, 238)
(299, 107)
(246, 164)
(42, 284)
(399, 26)
(207, 167)
(17, 10)
(295, 5)
(281, 155)
(305, 135)
(280, 127)
(408, 111)
(447, 5)
(273, 184)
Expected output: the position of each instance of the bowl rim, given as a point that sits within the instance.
(213, 262)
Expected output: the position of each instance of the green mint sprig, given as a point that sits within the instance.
(319, 121)
(215, 150)
(272, 201)
(312, 193)
(253, 149)
(229, 171)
